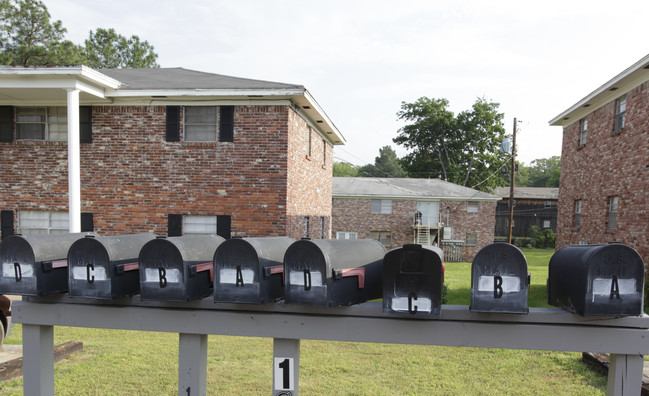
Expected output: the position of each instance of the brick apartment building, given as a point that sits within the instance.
(169, 151)
(426, 211)
(604, 187)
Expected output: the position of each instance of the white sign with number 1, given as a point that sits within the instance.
(283, 372)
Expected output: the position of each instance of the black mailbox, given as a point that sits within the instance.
(597, 280)
(177, 268)
(35, 265)
(412, 281)
(250, 270)
(105, 267)
(499, 280)
(333, 272)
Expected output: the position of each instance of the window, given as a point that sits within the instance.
(381, 206)
(546, 223)
(199, 225)
(306, 228)
(620, 114)
(547, 204)
(36, 222)
(612, 213)
(322, 227)
(385, 237)
(583, 127)
(471, 239)
(346, 235)
(324, 152)
(42, 123)
(577, 221)
(308, 141)
(472, 207)
(206, 123)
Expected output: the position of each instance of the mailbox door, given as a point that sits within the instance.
(236, 273)
(499, 280)
(89, 270)
(305, 270)
(19, 269)
(412, 282)
(615, 281)
(162, 272)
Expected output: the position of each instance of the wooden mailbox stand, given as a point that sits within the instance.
(626, 338)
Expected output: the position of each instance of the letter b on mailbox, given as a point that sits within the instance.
(499, 280)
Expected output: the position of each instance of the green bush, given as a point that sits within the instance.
(444, 293)
(543, 238)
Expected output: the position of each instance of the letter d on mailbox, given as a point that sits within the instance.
(597, 280)
(412, 281)
(499, 280)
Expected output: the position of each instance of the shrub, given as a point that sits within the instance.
(444, 293)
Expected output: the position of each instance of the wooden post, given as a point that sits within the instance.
(511, 186)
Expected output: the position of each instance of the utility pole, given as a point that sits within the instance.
(511, 186)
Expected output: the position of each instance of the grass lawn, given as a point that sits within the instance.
(116, 362)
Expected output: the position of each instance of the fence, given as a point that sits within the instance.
(453, 250)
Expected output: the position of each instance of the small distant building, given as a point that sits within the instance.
(426, 211)
(533, 206)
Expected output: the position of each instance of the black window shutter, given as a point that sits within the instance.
(6, 223)
(224, 226)
(226, 124)
(87, 222)
(85, 124)
(6, 124)
(174, 225)
(173, 124)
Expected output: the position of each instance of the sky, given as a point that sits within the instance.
(362, 59)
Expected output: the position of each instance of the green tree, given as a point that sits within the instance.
(344, 169)
(29, 38)
(27, 34)
(385, 165)
(107, 48)
(463, 149)
(542, 172)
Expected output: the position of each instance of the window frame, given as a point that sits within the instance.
(346, 235)
(382, 236)
(187, 124)
(43, 229)
(46, 123)
(384, 206)
(613, 206)
(583, 129)
(469, 240)
(577, 209)
(620, 114)
(473, 207)
(195, 221)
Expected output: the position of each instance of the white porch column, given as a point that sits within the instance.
(74, 161)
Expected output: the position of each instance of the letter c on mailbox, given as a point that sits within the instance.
(411, 297)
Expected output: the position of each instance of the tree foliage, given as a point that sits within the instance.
(542, 172)
(344, 169)
(29, 38)
(387, 164)
(107, 48)
(463, 149)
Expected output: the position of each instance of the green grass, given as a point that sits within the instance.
(116, 362)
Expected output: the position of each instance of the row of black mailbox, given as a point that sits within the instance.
(586, 279)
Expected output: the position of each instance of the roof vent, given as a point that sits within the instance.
(306, 107)
(613, 89)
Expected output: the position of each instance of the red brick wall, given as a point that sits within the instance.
(608, 165)
(353, 215)
(310, 180)
(132, 178)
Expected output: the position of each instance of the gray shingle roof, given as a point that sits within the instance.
(179, 78)
(529, 192)
(405, 189)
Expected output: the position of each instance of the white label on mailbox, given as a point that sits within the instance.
(511, 284)
(283, 374)
(9, 270)
(172, 275)
(297, 278)
(603, 286)
(82, 273)
(423, 304)
(229, 275)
